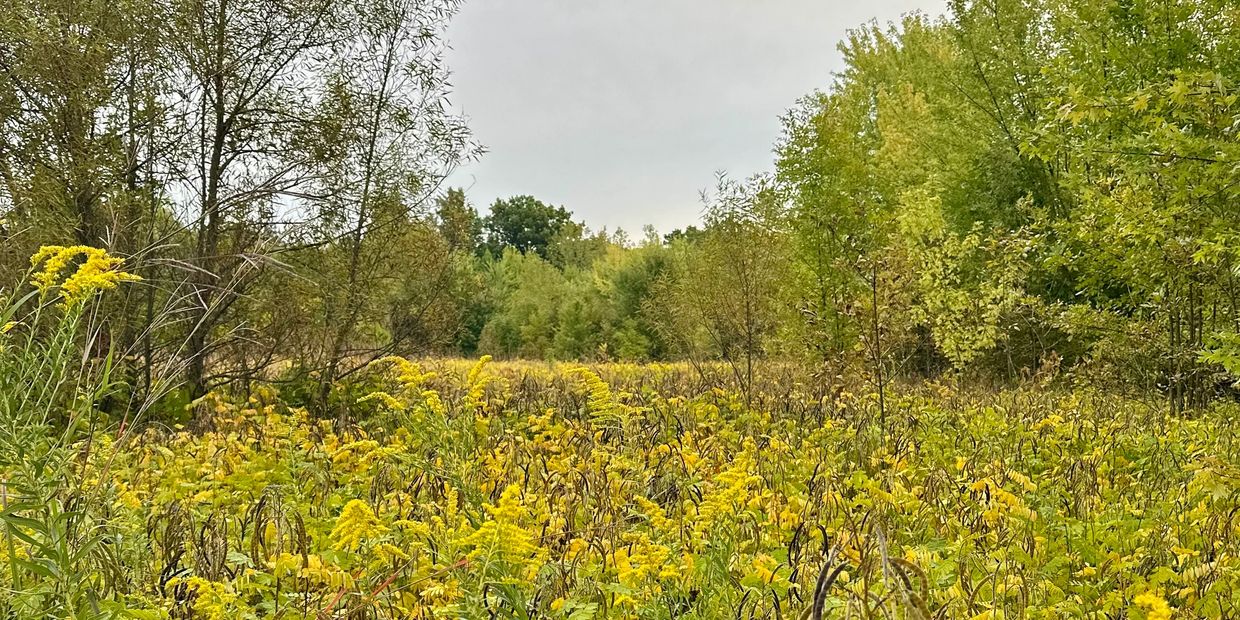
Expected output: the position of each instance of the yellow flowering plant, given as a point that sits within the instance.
(98, 271)
(56, 527)
(520, 490)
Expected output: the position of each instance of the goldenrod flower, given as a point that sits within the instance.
(476, 385)
(1154, 606)
(356, 523)
(99, 271)
(502, 537)
(213, 600)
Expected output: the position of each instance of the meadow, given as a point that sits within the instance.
(480, 489)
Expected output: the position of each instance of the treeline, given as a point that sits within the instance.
(1019, 188)
(1022, 186)
(1028, 184)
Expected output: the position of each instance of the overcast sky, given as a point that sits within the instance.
(623, 110)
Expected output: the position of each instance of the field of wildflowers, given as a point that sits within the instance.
(525, 490)
(480, 489)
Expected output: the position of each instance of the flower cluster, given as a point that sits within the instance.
(356, 524)
(98, 271)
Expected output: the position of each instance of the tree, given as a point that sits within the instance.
(914, 151)
(458, 221)
(573, 246)
(391, 143)
(690, 233)
(524, 223)
(529, 293)
(630, 277)
(66, 122)
(85, 144)
(723, 296)
(246, 67)
(1144, 124)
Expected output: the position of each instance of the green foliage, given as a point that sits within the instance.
(1017, 166)
(1021, 190)
(524, 223)
(967, 285)
(722, 295)
(1016, 187)
(1224, 350)
(529, 490)
(594, 311)
(458, 221)
(56, 532)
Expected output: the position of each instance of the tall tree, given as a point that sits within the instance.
(392, 143)
(459, 222)
(723, 296)
(1145, 124)
(70, 106)
(524, 223)
(249, 69)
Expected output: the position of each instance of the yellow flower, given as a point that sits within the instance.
(388, 400)
(502, 537)
(356, 522)
(99, 271)
(213, 600)
(476, 385)
(311, 568)
(1154, 606)
(6, 328)
(764, 568)
(391, 552)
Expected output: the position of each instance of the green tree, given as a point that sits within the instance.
(723, 295)
(389, 143)
(524, 223)
(246, 66)
(529, 293)
(1143, 122)
(458, 221)
(74, 102)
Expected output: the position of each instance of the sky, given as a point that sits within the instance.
(623, 111)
